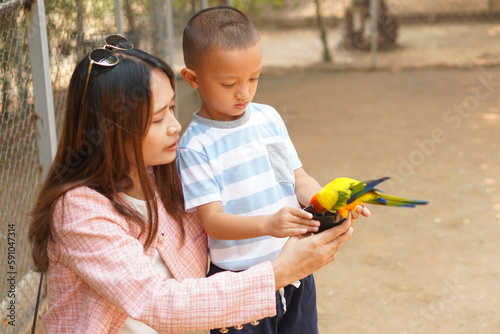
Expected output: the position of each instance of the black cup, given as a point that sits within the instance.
(327, 219)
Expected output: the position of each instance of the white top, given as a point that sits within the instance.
(133, 326)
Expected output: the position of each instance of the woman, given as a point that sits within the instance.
(109, 228)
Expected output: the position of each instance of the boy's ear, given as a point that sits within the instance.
(190, 76)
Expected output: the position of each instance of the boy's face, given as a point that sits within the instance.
(227, 81)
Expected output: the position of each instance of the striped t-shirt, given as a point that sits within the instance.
(247, 165)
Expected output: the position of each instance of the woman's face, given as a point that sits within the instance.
(160, 142)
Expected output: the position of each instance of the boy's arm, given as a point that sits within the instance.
(287, 221)
(305, 186)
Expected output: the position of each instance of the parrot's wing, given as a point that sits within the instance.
(362, 188)
(343, 197)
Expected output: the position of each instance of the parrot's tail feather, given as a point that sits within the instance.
(381, 201)
(390, 200)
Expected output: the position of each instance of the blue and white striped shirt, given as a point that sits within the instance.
(247, 165)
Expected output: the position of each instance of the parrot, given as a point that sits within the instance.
(343, 195)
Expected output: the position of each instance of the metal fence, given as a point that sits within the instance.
(404, 33)
(19, 169)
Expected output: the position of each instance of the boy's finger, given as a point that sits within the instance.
(366, 212)
(363, 210)
(308, 223)
(301, 213)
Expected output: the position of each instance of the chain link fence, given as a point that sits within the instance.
(19, 169)
(410, 33)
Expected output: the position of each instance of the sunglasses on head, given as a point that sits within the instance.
(105, 56)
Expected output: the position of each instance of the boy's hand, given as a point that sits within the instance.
(290, 221)
(361, 210)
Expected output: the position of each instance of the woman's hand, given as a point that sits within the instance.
(303, 255)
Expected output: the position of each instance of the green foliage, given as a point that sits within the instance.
(95, 9)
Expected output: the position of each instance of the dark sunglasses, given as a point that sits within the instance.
(105, 56)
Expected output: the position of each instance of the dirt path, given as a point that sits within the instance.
(436, 133)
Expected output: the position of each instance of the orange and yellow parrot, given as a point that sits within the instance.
(343, 194)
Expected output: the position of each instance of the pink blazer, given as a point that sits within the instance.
(99, 274)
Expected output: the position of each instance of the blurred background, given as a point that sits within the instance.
(407, 89)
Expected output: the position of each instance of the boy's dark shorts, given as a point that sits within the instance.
(301, 316)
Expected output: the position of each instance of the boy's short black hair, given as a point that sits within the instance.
(221, 27)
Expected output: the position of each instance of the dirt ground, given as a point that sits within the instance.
(432, 269)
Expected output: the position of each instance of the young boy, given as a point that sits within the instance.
(238, 166)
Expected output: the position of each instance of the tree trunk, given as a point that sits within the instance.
(133, 33)
(158, 28)
(327, 58)
(80, 38)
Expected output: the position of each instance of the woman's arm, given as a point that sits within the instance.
(95, 250)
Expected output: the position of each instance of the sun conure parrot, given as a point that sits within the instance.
(343, 194)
